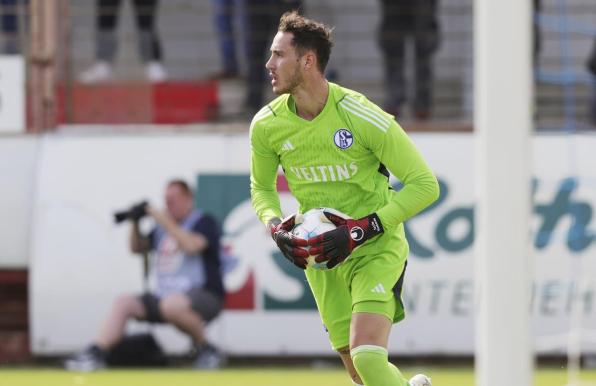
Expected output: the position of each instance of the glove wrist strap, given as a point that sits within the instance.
(272, 225)
(366, 228)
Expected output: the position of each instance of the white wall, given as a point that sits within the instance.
(18, 162)
(12, 94)
(80, 261)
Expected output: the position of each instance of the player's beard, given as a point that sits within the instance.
(293, 82)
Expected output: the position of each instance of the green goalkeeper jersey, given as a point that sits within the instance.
(339, 160)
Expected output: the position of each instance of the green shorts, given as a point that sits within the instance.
(370, 283)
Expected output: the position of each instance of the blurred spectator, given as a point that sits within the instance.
(9, 11)
(188, 284)
(262, 19)
(415, 19)
(592, 70)
(105, 48)
(224, 25)
(537, 31)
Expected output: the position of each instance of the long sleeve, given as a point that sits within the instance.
(263, 176)
(399, 154)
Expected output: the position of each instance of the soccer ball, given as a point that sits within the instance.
(311, 224)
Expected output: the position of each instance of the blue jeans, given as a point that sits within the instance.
(262, 18)
(9, 23)
(593, 102)
(223, 11)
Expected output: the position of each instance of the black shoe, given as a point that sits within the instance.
(208, 357)
(90, 359)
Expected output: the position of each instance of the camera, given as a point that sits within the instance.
(135, 213)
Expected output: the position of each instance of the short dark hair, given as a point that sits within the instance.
(308, 35)
(182, 185)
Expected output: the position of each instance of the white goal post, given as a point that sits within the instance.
(503, 96)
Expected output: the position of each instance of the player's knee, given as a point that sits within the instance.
(369, 360)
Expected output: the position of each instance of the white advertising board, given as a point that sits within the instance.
(80, 260)
(12, 94)
(18, 156)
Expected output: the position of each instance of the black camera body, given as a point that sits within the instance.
(135, 213)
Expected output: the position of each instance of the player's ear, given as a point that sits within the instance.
(310, 60)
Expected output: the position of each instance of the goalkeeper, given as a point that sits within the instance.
(336, 149)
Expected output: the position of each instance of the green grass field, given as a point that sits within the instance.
(246, 377)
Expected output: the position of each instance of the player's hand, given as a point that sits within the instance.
(336, 245)
(289, 245)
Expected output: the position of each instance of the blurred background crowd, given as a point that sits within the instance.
(185, 61)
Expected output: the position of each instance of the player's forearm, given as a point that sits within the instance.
(410, 200)
(266, 204)
(263, 192)
(404, 161)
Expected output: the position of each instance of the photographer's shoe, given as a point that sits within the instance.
(100, 71)
(155, 72)
(90, 359)
(419, 380)
(208, 358)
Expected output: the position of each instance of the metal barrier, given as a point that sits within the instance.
(567, 89)
(169, 61)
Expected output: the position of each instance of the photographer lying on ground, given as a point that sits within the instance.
(186, 267)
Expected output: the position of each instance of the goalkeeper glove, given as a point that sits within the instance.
(288, 244)
(336, 245)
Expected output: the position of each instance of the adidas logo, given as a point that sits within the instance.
(287, 146)
(379, 289)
